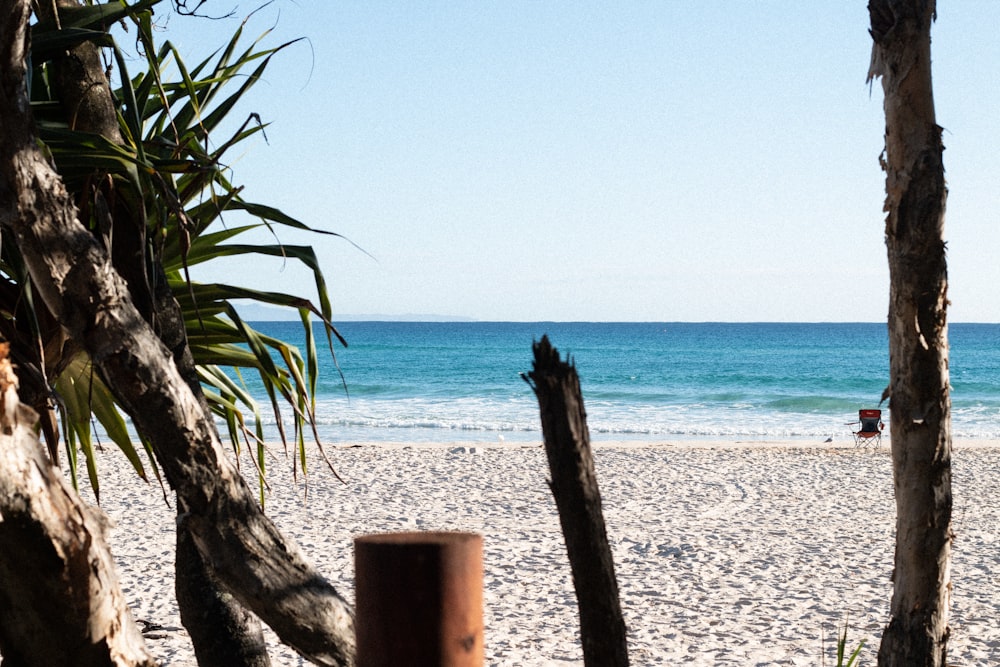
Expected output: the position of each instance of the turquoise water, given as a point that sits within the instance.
(409, 381)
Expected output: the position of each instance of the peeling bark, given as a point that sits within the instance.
(60, 600)
(917, 633)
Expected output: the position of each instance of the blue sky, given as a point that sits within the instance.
(668, 161)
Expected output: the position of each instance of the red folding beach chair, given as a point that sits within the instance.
(869, 428)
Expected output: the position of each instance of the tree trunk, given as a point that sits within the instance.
(73, 275)
(917, 633)
(223, 633)
(578, 499)
(84, 90)
(224, 629)
(60, 601)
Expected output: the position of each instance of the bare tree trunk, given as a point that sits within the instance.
(60, 601)
(578, 499)
(243, 549)
(920, 404)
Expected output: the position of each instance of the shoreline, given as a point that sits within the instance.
(665, 443)
(726, 553)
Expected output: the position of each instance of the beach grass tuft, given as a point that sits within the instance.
(842, 649)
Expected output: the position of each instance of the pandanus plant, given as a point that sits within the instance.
(166, 176)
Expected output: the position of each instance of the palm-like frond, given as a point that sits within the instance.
(82, 394)
(170, 170)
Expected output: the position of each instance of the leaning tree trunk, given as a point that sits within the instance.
(578, 499)
(60, 601)
(73, 275)
(222, 632)
(917, 633)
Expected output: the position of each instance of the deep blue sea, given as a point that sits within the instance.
(450, 382)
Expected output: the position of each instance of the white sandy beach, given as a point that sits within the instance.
(726, 553)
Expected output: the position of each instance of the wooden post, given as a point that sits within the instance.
(578, 499)
(419, 599)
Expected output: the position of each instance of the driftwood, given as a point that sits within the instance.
(578, 499)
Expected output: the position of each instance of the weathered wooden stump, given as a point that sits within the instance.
(578, 500)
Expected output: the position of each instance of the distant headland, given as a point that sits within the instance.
(253, 312)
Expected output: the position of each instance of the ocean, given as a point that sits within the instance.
(462, 381)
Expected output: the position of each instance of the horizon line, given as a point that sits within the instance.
(446, 319)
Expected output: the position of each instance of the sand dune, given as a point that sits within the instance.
(726, 553)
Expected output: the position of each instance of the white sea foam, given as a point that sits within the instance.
(426, 420)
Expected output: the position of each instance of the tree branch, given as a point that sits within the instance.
(60, 600)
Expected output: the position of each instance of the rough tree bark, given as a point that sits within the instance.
(73, 275)
(917, 633)
(60, 601)
(222, 632)
(578, 499)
